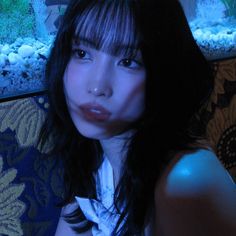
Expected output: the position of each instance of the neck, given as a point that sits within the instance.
(115, 149)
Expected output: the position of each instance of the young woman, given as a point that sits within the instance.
(125, 82)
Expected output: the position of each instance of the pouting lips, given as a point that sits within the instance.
(95, 112)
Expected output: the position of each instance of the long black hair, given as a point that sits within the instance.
(179, 82)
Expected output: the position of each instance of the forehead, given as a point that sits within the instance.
(108, 27)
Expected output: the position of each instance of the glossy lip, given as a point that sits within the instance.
(95, 112)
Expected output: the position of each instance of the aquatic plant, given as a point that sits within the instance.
(17, 20)
(7, 6)
(230, 7)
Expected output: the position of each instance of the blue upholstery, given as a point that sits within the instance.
(33, 183)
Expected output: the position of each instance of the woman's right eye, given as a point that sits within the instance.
(80, 54)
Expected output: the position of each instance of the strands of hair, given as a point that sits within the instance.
(115, 31)
(113, 26)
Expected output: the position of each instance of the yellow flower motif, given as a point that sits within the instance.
(24, 117)
(221, 130)
(226, 70)
(10, 207)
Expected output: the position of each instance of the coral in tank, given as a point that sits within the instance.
(230, 7)
(17, 20)
(41, 15)
(209, 11)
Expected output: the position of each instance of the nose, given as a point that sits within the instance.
(100, 83)
(98, 91)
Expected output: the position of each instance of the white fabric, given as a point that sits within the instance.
(101, 212)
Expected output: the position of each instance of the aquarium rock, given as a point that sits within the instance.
(26, 51)
(3, 59)
(5, 49)
(4, 82)
(22, 66)
(216, 40)
(14, 58)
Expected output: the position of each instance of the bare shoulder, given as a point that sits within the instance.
(195, 174)
(196, 196)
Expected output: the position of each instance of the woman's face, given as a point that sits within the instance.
(104, 93)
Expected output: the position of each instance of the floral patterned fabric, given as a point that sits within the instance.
(221, 126)
(11, 208)
(31, 183)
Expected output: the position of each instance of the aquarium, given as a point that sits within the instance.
(28, 29)
(213, 25)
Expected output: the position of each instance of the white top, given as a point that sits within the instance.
(102, 211)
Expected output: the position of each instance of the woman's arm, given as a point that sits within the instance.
(64, 228)
(196, 197)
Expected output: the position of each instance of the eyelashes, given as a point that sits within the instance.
(80, 53)
(84, 55)
(130, 63)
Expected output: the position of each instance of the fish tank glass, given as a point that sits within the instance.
(213, 25)
(28, 28)
(27, 31)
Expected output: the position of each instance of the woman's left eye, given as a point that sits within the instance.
(80, 54)
(130, 63)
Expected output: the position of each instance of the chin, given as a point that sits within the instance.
(95, 132)
(99, 131)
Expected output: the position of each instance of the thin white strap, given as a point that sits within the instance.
(105, 184)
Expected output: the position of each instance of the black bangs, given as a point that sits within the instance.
(109, 26)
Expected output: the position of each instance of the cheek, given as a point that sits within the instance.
(133, 104)
(138, 105)
(73, 86)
